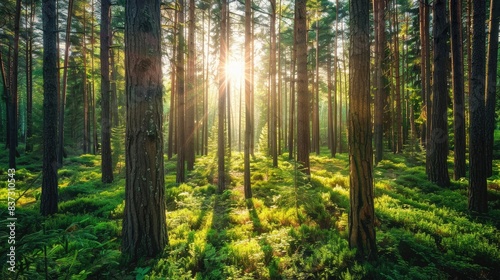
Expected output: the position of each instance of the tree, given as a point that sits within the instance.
(181, 136)
(458, 88)
(48, 205)
(144, 223)
(106, 164)
(478, 201)
(191, 92)
(248, 123)
(221, 146)
(29, 75)
(62, 100)
(303, 139)
(272, 73)
(379, 11)
(12, 109)
(491, 81)
(361, 213)
(438, 145)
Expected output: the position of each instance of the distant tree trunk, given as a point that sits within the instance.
(48, 204)
(426, 53)
(458, 88)
(438, 146)
(379, 11)
(144, 224)
(191, 91)
(302, 91)
(13, 89)
(398, 128)
(62, 100)
(491, 82)
(205, 102)
(336, 78)
(273, 109)
(86, 123)
(221, 145)
(248, 123)
(362, 213)
(106, 164)
(181, 139)
(114, 118)
(5, 98)
(316, 99)
(478, 201)
(331, 139)
(292, 98)
(29, 76)
(173, 86)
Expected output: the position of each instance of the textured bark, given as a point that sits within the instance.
(491, 82)
(458, 89)
(173, 86)
(144, 223)
(272, 73)
(291, 123)
(86, 123)
(438, 146)
(106, 160)
(316, 136)
(331, 138)
(13, 89)
(379, 11)
(248, 123)
(221, 139)
(303, 139)
(62, 100)
(191, 91)
(478, 201)
(362, 213)
(426, 56)
(48, 203)
(29, 76)
(181, 143)
(398, 127)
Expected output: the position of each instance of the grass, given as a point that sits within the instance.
(294, 227)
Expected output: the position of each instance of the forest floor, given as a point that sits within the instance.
(294, 227)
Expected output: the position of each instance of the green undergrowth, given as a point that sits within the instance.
(294, 226)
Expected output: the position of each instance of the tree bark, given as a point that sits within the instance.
(29, 76)
(48, 204)
(458, 89)
(272, 73)
(221, 145)
(106, 161)
(491, 82)
(191, 91)
(144, 223)
(248, 123)
(303, 101)
(438, 145)
(362, 213)
(181, 143)
(379, 11)
(13, 89)
(478, 201)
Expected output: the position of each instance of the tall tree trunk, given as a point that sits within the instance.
(398, 128)
(379, 12)
(316, 93)
(29, 76)
(13, 89)
(106, 160)
(272, 73)
(86, 123)
(191, 91)
(181, 137)
(144, 223)
(427, 85)
(173, 86)
(62, 100)
(292, 99)
(48, 204)
(205, 113)
(362, 213)
(331, 139)
(248, 123)
(458, 88)
(221, 145)
(438, 146)
(491, 84)
(303, 139)
(478, 200)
